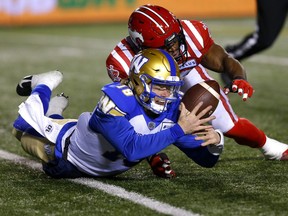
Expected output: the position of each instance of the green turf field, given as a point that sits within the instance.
(242, 183)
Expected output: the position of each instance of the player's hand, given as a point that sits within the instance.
(213, 140)
(242, 87)
(209, 137)
(160, 165)
(190, 122)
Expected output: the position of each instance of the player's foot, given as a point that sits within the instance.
(284, 156)
(57, 104)
(275, 150)
(52, 79)
(24, 86)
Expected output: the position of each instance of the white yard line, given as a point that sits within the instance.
(110, 189)
(274, 60)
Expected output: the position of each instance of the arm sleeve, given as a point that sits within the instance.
(121, 134)
(188, 141)
(203, 29)
(206, 156)
(193, 149)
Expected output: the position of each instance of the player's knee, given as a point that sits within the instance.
(16, 133)
(38, 147)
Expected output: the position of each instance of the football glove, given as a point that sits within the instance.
(160, 165)
(241, 86)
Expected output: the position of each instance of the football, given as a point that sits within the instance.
(207, 91)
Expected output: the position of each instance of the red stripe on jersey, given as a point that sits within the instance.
(203, 31)
(120, 51)
(201, 73)
(192, 36)
(118, 61)
(227, 108)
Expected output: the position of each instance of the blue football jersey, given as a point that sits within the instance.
(118, 133)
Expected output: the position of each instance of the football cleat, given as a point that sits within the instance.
(160, 165)
(52, 79)
(284, 156)
(275, 150)
(24, 86)
(58, 104)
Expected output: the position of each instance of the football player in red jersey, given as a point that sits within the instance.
(191, 44)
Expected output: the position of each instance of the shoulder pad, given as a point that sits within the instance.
(107, 106)
(121, 95)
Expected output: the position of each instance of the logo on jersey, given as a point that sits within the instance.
(151, 125)
(205, 27)
(166, 125)
(114, 74)
(189, 64)
(48, 128)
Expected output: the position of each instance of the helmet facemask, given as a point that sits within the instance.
(182, 45)
(155, 79)
(155, 102)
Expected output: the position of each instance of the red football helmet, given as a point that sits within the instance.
(152, 26)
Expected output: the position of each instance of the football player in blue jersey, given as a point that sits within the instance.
(134, 119)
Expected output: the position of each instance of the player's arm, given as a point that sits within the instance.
(108, 120)
(197, 148)
(218, 60)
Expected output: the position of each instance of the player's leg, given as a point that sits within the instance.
(270, 20)
(38, 147)
(241, 130)
(56, 106)
(31, 141)
(246, 133)
(55, 131)
(32, 111)
(202, 156)
(35, 144)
